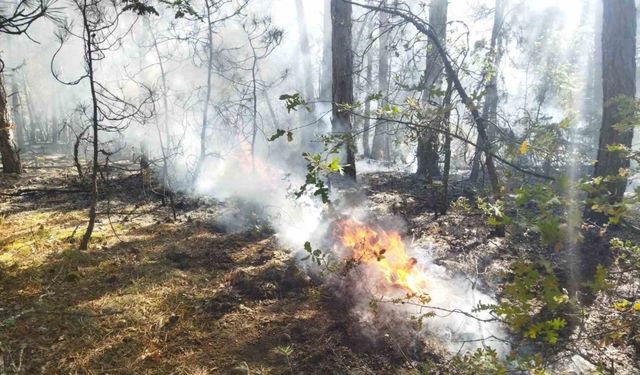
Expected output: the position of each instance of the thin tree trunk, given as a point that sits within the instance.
(379, 149)
(342, 62)
(490, 108)
(8, 148)
(254, 110)
(447, 149)
(207, 98)
(595, 105)
(325, 72)
(165, 117)
(306, 117)
(76, 152)
(17, 111)
(367, 109)
(33, 121)
(451, 73)
(428, 140)
(84, 245)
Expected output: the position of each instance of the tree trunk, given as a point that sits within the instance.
(306, 117)
(490, 108)
(17, 111)
(207, 98)
(366, 147)
(84, 245)
(447, 149)
(325, 72)
(8, 148)
(592, 106)
(428, 140)
(452, 74)
(33, 120)
(165, 117)
(342, 62)
(379, 148)
(619, 86)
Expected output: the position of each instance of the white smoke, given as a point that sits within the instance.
(295, 221)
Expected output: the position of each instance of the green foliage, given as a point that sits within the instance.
(139, 7)
(482, 361)
(532, 303)
(462, 205)
(628, 253)
(599, 199)
(549, 229)
(293, 101)
(548, 210)
(388, 111)
(628, 113)
(376, 96)
(285, 350)
(494, 212)
(279, 133)
(182, 8)
(315, 255)
(599, 282)
(317, 168)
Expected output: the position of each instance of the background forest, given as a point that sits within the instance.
(326, 186)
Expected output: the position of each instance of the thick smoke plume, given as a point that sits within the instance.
(377, 308)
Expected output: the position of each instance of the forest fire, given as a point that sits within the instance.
(385, 253)
(253, 165)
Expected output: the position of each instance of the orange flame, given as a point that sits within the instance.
(384, 252)
(266, 174)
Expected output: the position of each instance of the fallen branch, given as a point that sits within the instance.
(75, 313)
(62, 313)
(46, 191)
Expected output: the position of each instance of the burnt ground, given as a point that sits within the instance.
(190, 295)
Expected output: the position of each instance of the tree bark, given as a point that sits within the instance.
(342, 63)
(366, 147)
(428, 141)
(379, 149)
(165, 118)
(325, 72)
(619, 86)
(17, 111)
(84, 244)
(34, 127)
(8, 148)
(306, 117)
(592, 110)
(490, 107)
(207, 98)
(447, 149)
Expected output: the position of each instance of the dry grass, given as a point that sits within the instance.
(153, 296)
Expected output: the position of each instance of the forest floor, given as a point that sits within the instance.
(188, 296)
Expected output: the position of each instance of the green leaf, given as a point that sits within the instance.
(334, 166)
(565, 123)
(292, 101)
(279, 133)
(376, 96)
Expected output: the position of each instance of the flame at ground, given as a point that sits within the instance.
(384, 252)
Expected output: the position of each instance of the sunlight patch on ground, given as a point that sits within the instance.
(29, 238)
